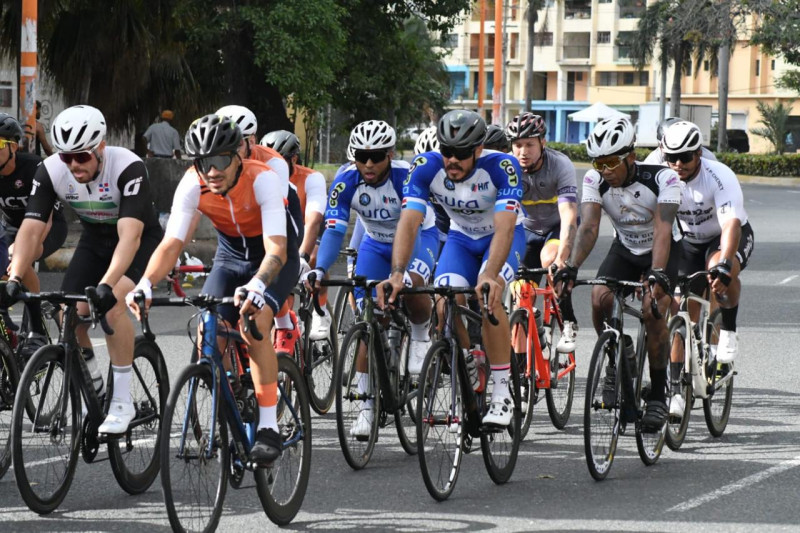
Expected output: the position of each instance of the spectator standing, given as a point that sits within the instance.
(162, 139)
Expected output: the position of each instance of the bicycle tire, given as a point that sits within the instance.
(343, 313)
(716, 409)
(518, 325)
(500, 449)
(649, 444)
(440, 424)
(677, 428)
(320, 379)
(33, 464)
(601, 423)
(187, 413)
(561, 393)
(282, 487)
(9, 380)
(404, 421)
(136, 467)
(357, 451)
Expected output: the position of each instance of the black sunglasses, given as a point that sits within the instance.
(683, 157)
(376, 156)
(79, 157)
(459, 153)
(203, 165)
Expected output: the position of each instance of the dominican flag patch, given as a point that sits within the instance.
(511, 205)
(104, 187)
(331, 224)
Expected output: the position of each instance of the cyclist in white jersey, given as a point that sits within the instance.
(717, 234)
(641, 201)
(656, 157)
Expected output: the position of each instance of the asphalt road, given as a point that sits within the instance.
(746, 480)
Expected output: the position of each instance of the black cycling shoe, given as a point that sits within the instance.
(267, 447)
(655, 416)
(609, 387)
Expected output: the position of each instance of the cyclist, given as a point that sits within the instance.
(256, 259)
(656, 157)
(312, 192)
(641, 201)
(481, 191)
(427, 142)
(550, 200)
(372, 188)
(496, 139)
(716, 233)
(108, 188)
(17, 170)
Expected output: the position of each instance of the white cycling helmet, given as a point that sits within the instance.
(683, 136)
(351, 153)
(79, 128)
(427, 141)
(611, 136)
(242, 116)
(372, 135)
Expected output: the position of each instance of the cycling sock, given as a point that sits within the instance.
(658, 379)
(729, 318)
(35, 313)
(284, 321)
(267, 399)
(567, 312)
(420, 332)
(122, 382)
(268, 418)
(500, 377)
(675, 371)
(362, 381)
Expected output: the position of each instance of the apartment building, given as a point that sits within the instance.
(581, 56)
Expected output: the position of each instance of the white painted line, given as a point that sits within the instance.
(787, 280)
(737, 485)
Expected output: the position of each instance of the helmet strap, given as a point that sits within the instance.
(631, 170)
(99, 164)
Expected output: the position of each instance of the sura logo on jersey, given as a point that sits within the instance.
(333, 201)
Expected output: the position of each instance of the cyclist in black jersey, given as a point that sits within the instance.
(108, 188)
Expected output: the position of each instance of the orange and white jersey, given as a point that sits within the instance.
(311, 188)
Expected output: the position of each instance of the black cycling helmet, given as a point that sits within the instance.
(496, 139)
(212, 135)
(461, 129)
(284, 142)
(10, 128)
(525, 126)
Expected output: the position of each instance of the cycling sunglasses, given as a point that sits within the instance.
(376, 156)
(609, 162)
(6, 142)
(459, 153)
(683, 157)
(203, 165)
(78, 157)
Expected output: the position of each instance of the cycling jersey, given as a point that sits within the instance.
(121, 190)
(272, 158)
(544, 190)
(708, 201)
(15, 189)
(656, 157)
(311, 189)
(632, 208)
(494, 185)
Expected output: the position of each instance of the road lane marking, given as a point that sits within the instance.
(737, 485)
(787, 280)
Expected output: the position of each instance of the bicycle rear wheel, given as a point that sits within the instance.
(45, 445)
(601, 422)
(344, 314)
(196, 468)
(357, 449)
(518, 324)
(440, 424)
(134, 457)
(323, 358)
(9, 379)
(501, 447)
(648, 443)
(562, 389)
(404, 420)
(282, 487)
(678, 426)
(717, 407)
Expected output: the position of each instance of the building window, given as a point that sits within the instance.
(6, 94)
(615, 79)
(758, 67)
(627, 78)
(543, 39)
(513, 44)
(579, 76)
(450, 41)
(474, 46)
(476, 10)
(603, 1)
(603, 37)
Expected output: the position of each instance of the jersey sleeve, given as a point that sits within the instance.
(669, 187)
(654, 158)
(728, 198)
(184, 206)
(135, 200)
(416, 186)
(281, 168)
(315, 193)
(337, 214)
(273, 210)
(42, 198)
(506, 178)
(591, 187)
(567, 185)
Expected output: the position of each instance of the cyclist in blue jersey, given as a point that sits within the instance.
(372, 187)
(481, 192)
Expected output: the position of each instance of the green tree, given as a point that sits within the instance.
(774, 119)
(779, 34)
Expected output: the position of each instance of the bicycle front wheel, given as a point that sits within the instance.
(562, 377)
(404, 417)
(282, 487)
(9, 379)
(45, 445)
(344, 312)
(717, 407)
(678, 426)
(322, 360)
(134, 457)
(601, 419)
(195, 456)
(440, 426)
(500, 447)
(648, 443)
(527, 380)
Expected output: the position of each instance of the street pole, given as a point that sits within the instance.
(498, 62)
(529, 58)
(27, 70)
(481, 58)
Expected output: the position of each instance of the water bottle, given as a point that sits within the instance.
(537, 316)
(393, 336)
(476, 366)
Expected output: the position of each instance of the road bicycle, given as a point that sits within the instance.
(199, 457)
(450, 413)
(344, 307)
(607, 415)
(178, 273)
(47, 432)
(701, 377)
(383, 343)
(534, 336)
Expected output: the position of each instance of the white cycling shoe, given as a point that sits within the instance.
(566, 344)
(676, 406)
(500, 411)
(727, 347)
(320, 327)
(416, 356)
(363, 426)
(120, 415)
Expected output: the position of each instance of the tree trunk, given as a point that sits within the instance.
(677, 76)
(722, 90)
(662, 101)
(532, 5)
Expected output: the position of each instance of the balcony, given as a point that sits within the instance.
(575, 52)
(577, 9)
(632, 9)
(576, 48)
